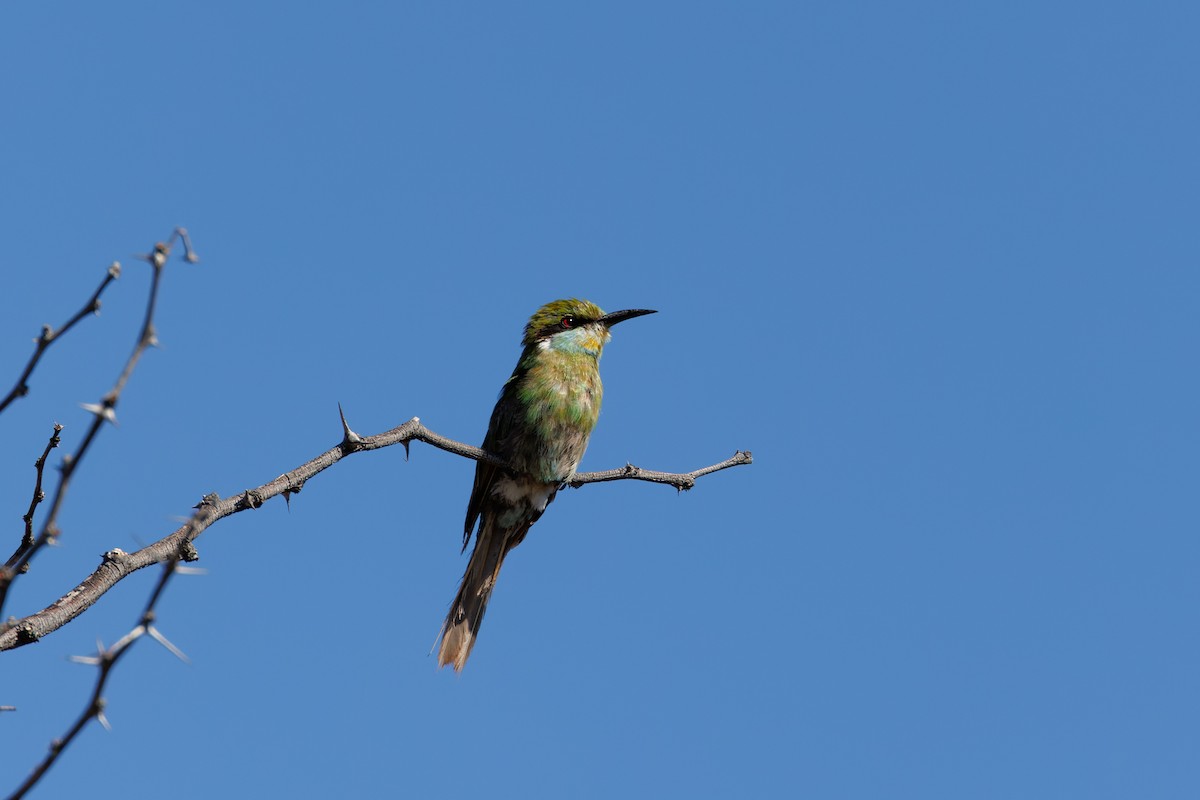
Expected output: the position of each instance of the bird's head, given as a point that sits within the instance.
(574, 326)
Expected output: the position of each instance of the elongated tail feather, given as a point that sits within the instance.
(466, 612)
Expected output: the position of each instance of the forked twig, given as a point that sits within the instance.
(105, 659)
(104, 411)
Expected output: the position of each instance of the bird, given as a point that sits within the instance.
(540, 428)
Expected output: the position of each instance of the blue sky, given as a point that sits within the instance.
(934, 263)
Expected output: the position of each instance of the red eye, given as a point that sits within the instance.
(567, 322)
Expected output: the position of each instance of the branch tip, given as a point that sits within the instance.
(189, 254)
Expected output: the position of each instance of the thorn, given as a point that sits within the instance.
(191, 571)
(210, 499)
(187, 553)
(157, 636)
(125, 641)
(348, 435)
(291, 490)
(102, 410)
(90, 660)
(103, 720)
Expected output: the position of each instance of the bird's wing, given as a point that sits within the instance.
(499, 428)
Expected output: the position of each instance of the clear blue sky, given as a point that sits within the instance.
(936, 264)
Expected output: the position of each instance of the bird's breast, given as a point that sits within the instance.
(561, 400)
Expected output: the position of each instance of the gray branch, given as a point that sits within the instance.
(178, 545)
(105, 660)
(102, 412)
(49, 336)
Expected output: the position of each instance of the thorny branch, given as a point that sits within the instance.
(18, 563)
(105, 659)
(213, 508)
(177, 547)
(104, 411)
(49, 336)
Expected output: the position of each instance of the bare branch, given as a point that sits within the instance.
(178, 545)
(104, 411)
(49, 336)
(105, 659)
(681, 481)
(38, 494)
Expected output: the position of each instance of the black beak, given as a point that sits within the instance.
(620, 316)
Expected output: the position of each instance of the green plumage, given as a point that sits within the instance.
(540, 428)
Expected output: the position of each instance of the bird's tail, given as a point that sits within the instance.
(466, 612)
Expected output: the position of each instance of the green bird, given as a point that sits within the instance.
(540, 428)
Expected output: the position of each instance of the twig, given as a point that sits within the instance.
(106, 659)
(38, 494)
(104, 411)
(178, 545)
(49, 336)
(189, 255)
(681, 481)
